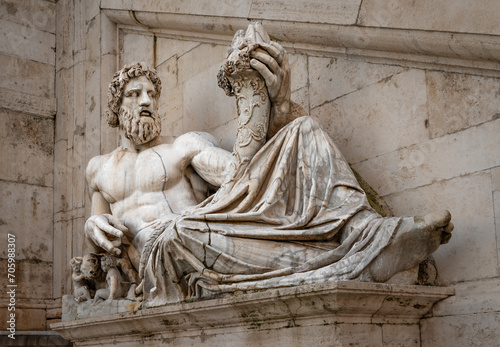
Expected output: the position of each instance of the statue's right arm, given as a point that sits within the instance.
(101, 221)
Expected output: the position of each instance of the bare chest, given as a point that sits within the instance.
(126, 173)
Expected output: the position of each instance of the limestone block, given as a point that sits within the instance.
(167, 48)
(108, 135)
(238, 8)
(27, 213)
(331, 78)
(33, 278)
(400, 335)
(62, 255)
(33, 13)
(301, 97)
(471, 253)
(226, 134)
(475, 330)
(92, 9)
(479, 296)
(27, 76)
(458, 101)
(26, 319)
(27, 42)
(199, 59)
(206, 106)
(463, 16)
(61, 176)
(496, 202)
(168, 74)
(29, 104)
(27, 144)
(65, 33)
(108, 37)
(495, 179)
(442, 158)
(136, 48)
(298, 66)
(170, 109)
(318, 11)
(378, 119)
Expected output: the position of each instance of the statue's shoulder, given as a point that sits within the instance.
(195, 141)
(94, 166)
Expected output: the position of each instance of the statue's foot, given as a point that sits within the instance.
(415, 239)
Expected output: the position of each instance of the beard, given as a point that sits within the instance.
(140, 129)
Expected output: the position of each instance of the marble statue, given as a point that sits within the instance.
(288, 209)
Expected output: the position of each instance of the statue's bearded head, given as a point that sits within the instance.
(132, 101)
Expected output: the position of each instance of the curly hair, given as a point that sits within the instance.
(117, 87)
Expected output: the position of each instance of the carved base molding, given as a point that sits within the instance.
(335, 314)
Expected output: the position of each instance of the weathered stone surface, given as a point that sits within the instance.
(29, 104)
(27, 143)
(400, 336)
(33, 278)
(205, 105)
(319, 11)
(463, 16)
(171, 110)
(331, 78)
(27, 42)
(472, 297)
(167, 48)
(27, 76)
(472, 253)
(190, 64)
(168, 74)
(136, 48)
(223, 134)
(26, 213)
(33, 13)
(298, 68)
(459, 101)
(202, 7)
(358, 122)
(479, 329)
(335, 313)
(439, 159)
(26, 319)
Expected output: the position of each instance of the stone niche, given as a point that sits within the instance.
(344, 313)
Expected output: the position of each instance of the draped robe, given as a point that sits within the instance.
(294, 214)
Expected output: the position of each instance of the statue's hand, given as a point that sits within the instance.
(271, 61)
(98, 226)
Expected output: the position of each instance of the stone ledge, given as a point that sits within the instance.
(318, 305)
(26, 103)
(462, 52)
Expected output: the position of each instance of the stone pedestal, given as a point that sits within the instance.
(333, 314)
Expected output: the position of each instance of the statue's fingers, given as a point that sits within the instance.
(104, 226)
(267, 59)
(277, 52)
(268, 76)
(116, 222)
(100, 239)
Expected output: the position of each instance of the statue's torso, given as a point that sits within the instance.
(142, 187)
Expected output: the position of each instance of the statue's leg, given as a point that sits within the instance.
(415, 239)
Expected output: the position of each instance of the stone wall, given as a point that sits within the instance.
(408, 90)
(27, 110)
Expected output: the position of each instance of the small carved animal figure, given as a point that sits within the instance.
(81, 290)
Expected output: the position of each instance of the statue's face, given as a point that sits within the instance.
(90, 266)
(139, 111)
